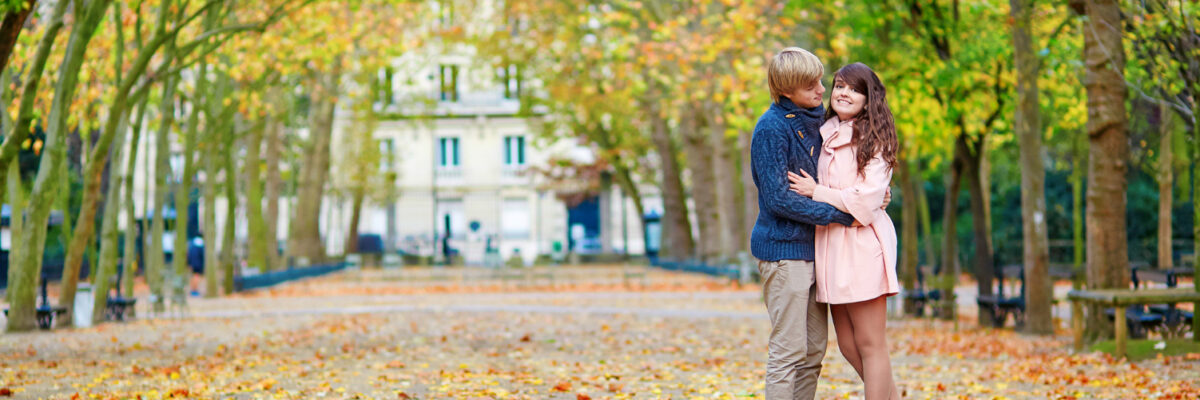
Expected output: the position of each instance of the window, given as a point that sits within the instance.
(510, 77)
(451, 219)
(445, 13)
(515, 221)
(176, 163)
(383, 89)
(387, 155)
(514, 150)
(448, 77)
(448, 152)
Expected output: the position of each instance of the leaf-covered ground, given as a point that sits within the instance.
(584, 334)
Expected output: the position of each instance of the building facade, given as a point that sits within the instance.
(466, 160)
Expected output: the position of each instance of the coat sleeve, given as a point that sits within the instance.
(769, 161)
(864, 198)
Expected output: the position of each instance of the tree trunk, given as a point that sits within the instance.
(130, 257)
(183, 197)
(274, 182)
(11, 29)
(1195, 206)
(985, 183)
(358, 195)
(85, 225)
(155, 255)
(1077, 222)
(25, 258)
(211, 263)
(908, 233)
(41, 199)
(949, 272)
(931, 255)
(304, 239)
(704, 197)
(209, 151)
(104, 270)
(20, 128)
(228, 257)
(749, 192)
(16, 202)
(256, 256)
(729, 215)
(1166, 182)
(984, 270)
(6, 97)
(676, 242)
(1039, 291)
(1107, 252)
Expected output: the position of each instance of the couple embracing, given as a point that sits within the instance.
(825, 244)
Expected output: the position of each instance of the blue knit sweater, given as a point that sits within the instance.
(787, 138)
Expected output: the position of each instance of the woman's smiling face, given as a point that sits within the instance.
(846, 101)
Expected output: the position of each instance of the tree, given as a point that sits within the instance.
(172, 19)
(1039, 291)
(1167, 45)
(274, 179)
(129, 255)
(1107, 251)
(639, 84)
(970, 84)
(595, 61)
(326, 60)
(21, 127)
(107, 265)
(33, 237)
(15, 13)
(304, 238)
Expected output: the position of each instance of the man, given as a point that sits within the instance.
(787, 138)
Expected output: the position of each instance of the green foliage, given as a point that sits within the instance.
(1144, 349)
(12, 6)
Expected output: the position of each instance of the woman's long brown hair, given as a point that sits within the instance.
(874, 127)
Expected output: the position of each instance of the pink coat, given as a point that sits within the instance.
(853, 264)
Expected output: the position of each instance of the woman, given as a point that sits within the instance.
(856, 265)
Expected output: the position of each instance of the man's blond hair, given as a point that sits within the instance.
(790, 69)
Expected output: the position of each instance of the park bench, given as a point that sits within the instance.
(1120, 300)
(1167, 318)
(267, 279)
(919, 296)
(117, 308)
(46, 313)
(733, 272)
(1062, 271)
(1002, 306)
(629, 272)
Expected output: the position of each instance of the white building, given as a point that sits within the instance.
(467, 168)
(465, 156)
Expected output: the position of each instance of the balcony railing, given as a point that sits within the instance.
(452, 175)
(514, 174)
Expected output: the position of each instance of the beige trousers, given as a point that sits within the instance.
(799, 329)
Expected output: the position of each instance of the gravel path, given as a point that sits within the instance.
(586, 334)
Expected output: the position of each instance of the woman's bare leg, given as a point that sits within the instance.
(845, 336)
(869, 319)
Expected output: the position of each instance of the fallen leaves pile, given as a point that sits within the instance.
(678, 336)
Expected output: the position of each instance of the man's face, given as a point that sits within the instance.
(808, 97)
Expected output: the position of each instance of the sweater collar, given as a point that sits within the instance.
(787, 107)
